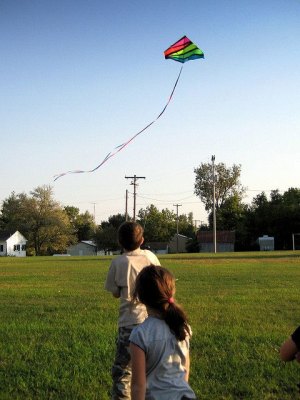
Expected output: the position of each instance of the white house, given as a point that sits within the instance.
(12, 244)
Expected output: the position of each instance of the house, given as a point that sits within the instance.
(225, 241)
(178, 243)
(266, 243)
(83, 248)
(12, 244)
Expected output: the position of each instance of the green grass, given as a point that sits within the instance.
(58, 325)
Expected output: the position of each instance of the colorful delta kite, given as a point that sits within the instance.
(183, 50)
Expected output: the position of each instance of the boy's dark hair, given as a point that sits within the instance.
(130, 235)
(155, 287)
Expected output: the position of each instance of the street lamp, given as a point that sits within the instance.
(214, 205)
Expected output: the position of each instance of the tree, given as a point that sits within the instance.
(50, 228)
(260, 201)
(83, 224)
(107, 233)
(229, 213)
(13, 213)
(278, 217)
(73, 213)
(185, 225)
(227, 184)
(160, 226)
(40, 219)
(192, 245)
(292, 198)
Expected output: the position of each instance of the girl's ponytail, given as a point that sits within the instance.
(176, 319)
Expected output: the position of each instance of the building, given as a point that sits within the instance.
(178, 243)
(266, 243)
(13, 245)
(83, 248)
(225, 241)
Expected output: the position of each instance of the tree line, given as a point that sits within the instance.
(159, 226)
(50, 228)
(277, 216)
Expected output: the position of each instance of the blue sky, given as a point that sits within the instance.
(78, 78)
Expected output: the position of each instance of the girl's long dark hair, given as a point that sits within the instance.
(155, 287)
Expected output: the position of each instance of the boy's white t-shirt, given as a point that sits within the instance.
(121, 279)
(165, 360)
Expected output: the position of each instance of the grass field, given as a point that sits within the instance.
(58, 325)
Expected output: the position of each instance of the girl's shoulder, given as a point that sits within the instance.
(149, 331)
(154, 322)
(153, 327)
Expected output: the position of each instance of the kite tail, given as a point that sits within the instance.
(171, 95)
(121, 147)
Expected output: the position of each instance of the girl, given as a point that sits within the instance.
(160, 345)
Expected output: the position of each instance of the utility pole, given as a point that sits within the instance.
(195, 223)
(135, 178)
(94, 211)
(126, 205)
(177, 205)
(214, 205)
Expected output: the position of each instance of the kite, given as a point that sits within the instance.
(183, 50)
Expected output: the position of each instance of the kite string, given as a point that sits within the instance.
(171, 95)
(121, 147)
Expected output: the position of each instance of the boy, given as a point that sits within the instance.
(120, 282)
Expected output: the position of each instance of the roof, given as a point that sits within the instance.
(221, 236)
(89, 242)
(180, 235)
(4, 235)
(266, 237)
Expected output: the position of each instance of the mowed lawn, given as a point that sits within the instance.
(58, 325)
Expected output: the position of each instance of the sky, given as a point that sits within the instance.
(80, 77)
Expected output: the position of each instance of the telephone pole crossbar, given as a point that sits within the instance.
(135, 178)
